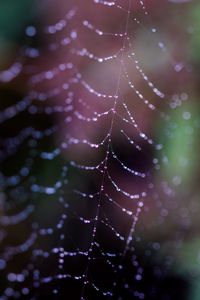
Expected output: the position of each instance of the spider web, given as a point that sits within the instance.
(81, 154)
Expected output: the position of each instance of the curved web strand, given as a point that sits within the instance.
(82, 170)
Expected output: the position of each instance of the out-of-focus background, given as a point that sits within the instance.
(166, 43)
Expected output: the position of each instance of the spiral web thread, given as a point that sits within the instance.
(85, 109)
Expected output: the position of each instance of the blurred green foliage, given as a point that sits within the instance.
(14, 16)
(188, 264)
(179, 139)
(194, 19)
